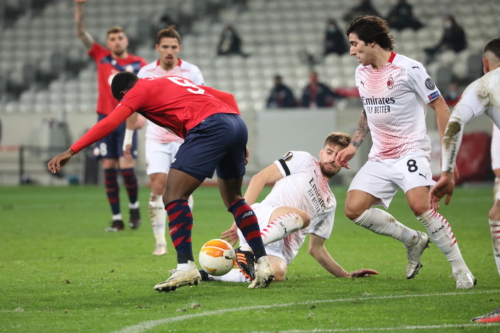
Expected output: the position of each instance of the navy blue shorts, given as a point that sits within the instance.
(111, 146)
(217, 143)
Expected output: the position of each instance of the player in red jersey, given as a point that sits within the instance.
(215, 138)
(110, 61)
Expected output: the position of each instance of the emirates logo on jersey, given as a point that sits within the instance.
(390, 83)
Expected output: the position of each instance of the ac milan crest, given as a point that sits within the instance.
(390, 83)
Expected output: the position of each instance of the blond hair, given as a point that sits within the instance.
(115, 29)
(338, 138)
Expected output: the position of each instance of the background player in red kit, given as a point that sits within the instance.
(110, 61)
(215, 138)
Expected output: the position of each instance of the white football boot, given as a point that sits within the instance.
(264, 274)
(160, 249)
(464, 279)
(180, 278)
(414, 254)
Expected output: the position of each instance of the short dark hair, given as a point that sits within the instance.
(494, 47)
(371, 29)
(338, 138)
(170, 32)
(122, 81)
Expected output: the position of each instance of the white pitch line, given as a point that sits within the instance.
(372, 329)
(146, 325)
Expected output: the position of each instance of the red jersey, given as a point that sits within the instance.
(172, 102)
(107, 68)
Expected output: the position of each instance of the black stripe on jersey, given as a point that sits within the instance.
(284, 166)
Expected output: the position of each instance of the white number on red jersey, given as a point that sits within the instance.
(183, 82)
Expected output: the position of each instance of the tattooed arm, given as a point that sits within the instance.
(86, 38)
(362, 129)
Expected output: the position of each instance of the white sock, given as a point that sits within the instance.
(495, 237)
(186, 267)
(117, 217)
(281, 227)
(383, 223)
(158, 216)
(134, 205)
(440, 232)
(234, 275)
(245, 247)
(191, 202)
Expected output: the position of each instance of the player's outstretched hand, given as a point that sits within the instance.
(444, 186)
(365, 272)
(59, 161)
(231, 235)
(345, 155)
(127, 152)
(80, 1)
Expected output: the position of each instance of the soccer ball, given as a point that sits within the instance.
(217, 257)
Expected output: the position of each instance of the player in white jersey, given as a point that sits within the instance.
(161, 144)
(481, 96)
(395, 90)
(299, 204)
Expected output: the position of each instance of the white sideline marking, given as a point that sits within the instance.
(146, 325)
(400, 328)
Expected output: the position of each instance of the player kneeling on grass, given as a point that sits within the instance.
(215, 138)
(300, 203)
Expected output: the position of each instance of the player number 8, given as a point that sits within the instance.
(184, 83)
(412, 165)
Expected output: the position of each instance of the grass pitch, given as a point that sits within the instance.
(60, 272)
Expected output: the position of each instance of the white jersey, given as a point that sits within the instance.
(303, 187)
(481, 96)
(183, 69)
(394, 99)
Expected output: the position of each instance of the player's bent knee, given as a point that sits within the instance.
(279, 275)
(494, 213)
(158, 186)
(353, 213)
(420, 208)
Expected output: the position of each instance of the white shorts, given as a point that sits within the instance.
(495, 148)
(263, 213)
(383, 179)
(159, 156)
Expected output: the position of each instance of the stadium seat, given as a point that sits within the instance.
(474, 159)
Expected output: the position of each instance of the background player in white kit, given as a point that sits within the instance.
(395, 90)
(301, 199)
(481, 96)
(161, 144)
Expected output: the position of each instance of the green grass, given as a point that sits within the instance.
(60, 272)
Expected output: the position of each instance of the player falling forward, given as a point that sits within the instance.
(300, 203)
(161, 144)
(395, 90)
(109, 62)
(481, 96)
(215, 138)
